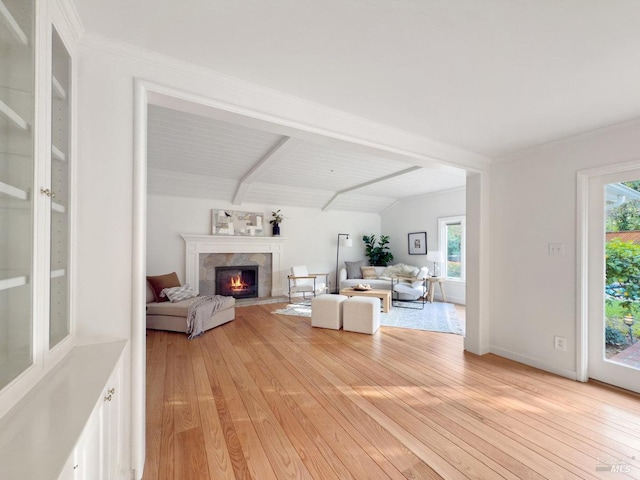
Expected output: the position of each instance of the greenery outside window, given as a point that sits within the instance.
(452, 233)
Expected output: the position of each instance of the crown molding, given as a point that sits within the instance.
(424, 196)
(255, 100)
(460, 189)
(577, 137)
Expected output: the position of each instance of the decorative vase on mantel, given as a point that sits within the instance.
(275, 221)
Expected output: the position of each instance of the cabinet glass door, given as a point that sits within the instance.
(59, 318)
(17, 77)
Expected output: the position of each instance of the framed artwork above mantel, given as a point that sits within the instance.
(240, 224)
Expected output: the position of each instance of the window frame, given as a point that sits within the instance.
(443, 223)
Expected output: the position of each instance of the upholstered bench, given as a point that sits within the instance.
(361, 314)
(173, 316)
(326, 311)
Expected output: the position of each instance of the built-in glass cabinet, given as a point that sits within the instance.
(35, 169)
(59, 318)
(17, 174)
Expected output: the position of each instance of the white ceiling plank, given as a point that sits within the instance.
(300, 196)
(194, 156)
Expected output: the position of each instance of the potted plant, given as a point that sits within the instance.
(379, 254)
(276, 221)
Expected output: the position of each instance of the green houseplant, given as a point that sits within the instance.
(276, 221)
(379, 254)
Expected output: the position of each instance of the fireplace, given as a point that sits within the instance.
(206, 252)
(239, 281)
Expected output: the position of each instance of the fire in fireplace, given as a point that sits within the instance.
(237, 281)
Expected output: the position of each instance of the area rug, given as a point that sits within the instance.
(435, 317)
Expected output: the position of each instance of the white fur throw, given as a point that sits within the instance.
(400, 269)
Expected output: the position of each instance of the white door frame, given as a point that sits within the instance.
(582, 260)
(145, 92)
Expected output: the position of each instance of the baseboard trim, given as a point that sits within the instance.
(451, 299)
(532, 362)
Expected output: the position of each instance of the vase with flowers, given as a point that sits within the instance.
(276, 221)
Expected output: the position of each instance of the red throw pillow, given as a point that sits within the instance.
(160, 282)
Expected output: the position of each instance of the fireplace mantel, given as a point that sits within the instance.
(197, 244)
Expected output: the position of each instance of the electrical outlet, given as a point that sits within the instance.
(560, 343)
(556, 249)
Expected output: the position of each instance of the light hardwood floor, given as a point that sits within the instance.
(268, 397)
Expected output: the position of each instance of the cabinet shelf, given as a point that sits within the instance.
(58, 273)
(12, 116)
(56, 207)
(58, 154)
(12, 25)
(13, 192)
(58, 89)
(19, 194)
(12, 282)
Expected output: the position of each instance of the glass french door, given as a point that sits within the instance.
(614, 279)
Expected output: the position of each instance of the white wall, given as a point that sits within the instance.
(104, 198)
(421, 214)
(533, 203)
(310, 235)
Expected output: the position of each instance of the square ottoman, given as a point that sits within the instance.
(361, 314)
(326, 311)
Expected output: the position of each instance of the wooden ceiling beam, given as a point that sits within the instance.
(370, 182)
(283, 147)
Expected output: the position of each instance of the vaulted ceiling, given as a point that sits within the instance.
(197, 156)
(490, 77)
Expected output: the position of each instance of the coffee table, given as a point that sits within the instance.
(383, 295)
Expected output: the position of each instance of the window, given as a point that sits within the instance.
(452, 231)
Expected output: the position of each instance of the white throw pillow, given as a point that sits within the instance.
(177, 294)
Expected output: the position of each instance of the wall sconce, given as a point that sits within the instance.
(345, 242)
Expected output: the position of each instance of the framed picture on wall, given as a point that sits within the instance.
(418, 243)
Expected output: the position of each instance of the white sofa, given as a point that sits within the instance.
(407, 287)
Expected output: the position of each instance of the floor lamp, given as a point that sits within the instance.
(345, 242)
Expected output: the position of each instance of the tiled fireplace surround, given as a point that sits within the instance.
(263, 251)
